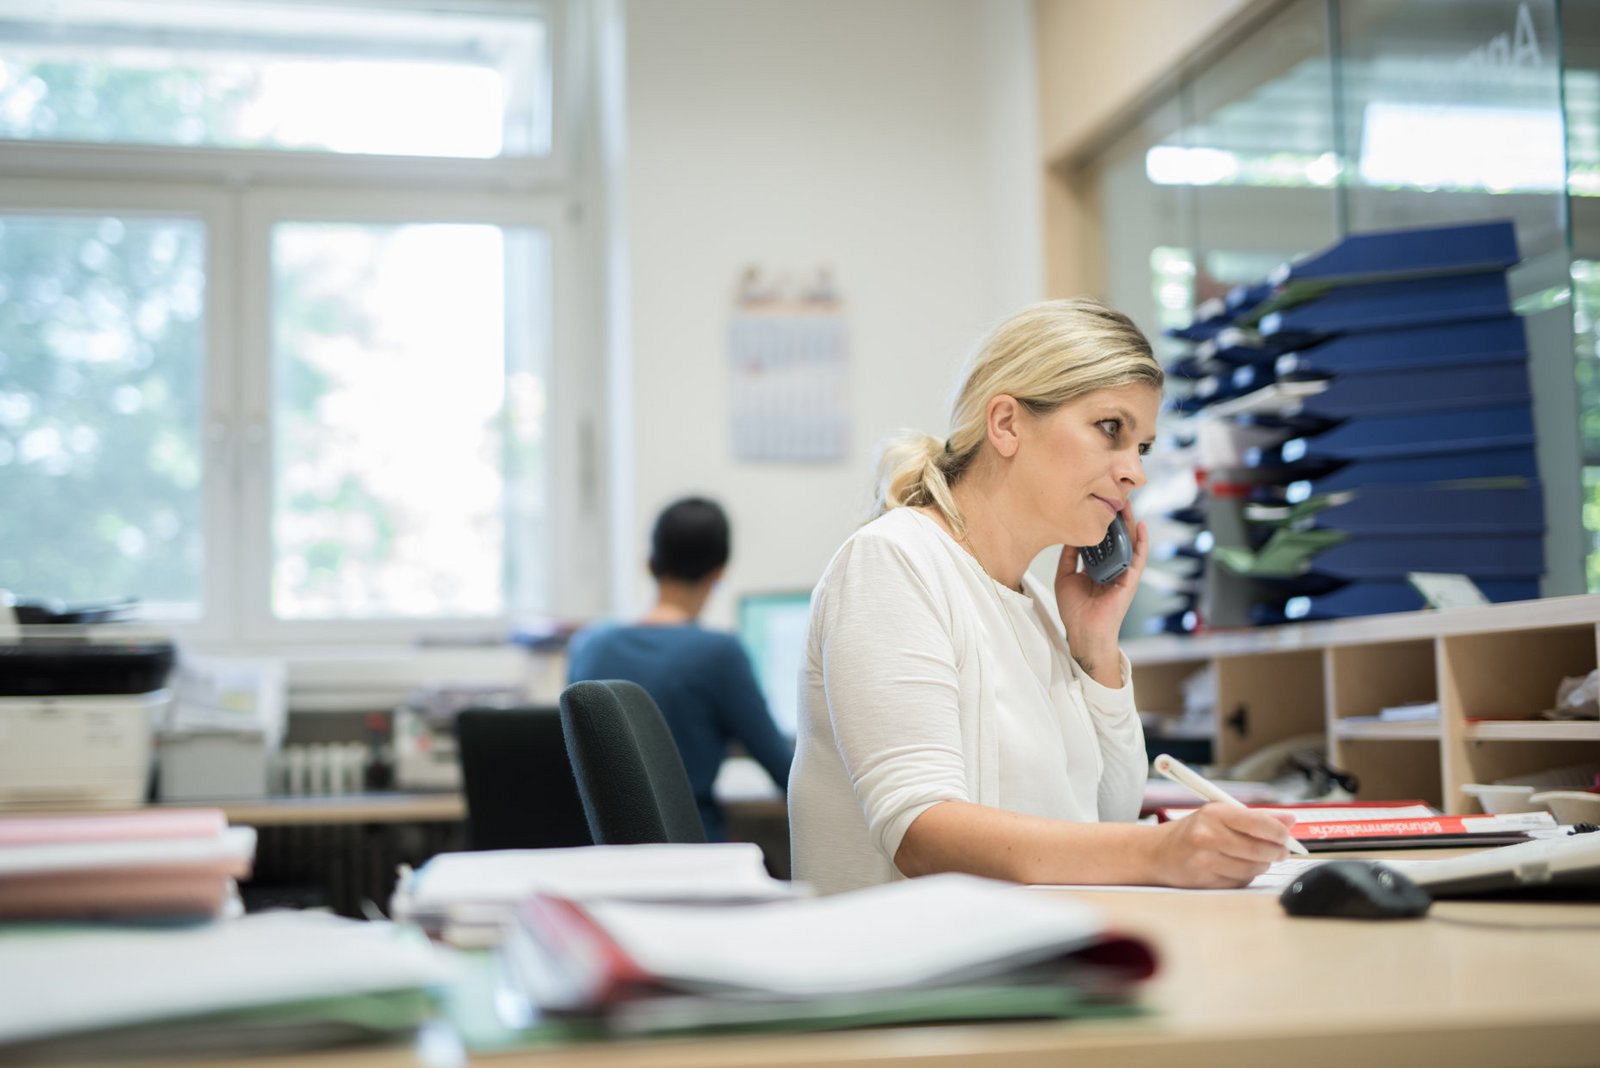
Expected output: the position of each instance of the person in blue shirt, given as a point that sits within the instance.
(702, 680)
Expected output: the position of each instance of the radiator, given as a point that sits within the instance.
(348, 868)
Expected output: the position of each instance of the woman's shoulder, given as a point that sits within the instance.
(901, 540)
(903, 529)
(902, 526)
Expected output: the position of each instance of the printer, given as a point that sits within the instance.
(78, 701)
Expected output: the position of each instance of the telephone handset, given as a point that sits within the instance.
(1111, 557)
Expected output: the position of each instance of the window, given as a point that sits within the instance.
(102, 337)
(286, 75)
(280, 338)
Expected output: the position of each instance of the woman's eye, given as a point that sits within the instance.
(1112, 427)
(1144, 448)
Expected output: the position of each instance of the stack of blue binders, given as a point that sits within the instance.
(1409, 442)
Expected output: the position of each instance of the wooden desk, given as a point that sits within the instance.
(1241, 985)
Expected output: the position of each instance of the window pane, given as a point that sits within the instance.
(1267, 107)
(101, 391)
(278, 76)
(1454, 114)
(409, 420)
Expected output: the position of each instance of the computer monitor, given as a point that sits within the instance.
(773, 629)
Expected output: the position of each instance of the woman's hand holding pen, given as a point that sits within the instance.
(1219, 846)
(1093, 612)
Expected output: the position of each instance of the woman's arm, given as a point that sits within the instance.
(890, 686)
(1218, 846)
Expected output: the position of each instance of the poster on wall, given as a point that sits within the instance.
(788, 350)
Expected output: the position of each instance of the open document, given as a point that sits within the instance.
(943, 946)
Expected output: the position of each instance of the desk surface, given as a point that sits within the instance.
(1241, 985)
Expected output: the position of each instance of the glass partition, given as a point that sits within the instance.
(1347, 116)
(1260, 111)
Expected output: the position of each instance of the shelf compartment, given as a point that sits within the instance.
(1365, 679)
(1266, 698)
(1159, 686)
(1490, 760)
(1533, 730)
(1511, 675)
(1394, 769)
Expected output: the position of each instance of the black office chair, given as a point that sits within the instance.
(518, 784)
(629, 773)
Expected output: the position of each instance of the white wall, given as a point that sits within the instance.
(893, 140)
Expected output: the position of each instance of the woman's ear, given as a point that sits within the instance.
(1004, 414)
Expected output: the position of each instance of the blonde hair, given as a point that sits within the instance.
(1044, 356)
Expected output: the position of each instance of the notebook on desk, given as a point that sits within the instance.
(1324, 826)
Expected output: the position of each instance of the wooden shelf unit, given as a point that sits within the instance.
(1492, 670)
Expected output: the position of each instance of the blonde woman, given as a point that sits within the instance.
(947, 723)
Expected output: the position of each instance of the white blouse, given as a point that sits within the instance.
(926, 681)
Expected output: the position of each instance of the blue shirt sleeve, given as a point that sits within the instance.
(743, 715)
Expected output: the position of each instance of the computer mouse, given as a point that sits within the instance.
(1354, 889)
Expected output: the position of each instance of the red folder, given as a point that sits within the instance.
(594, 961)
(1396, 821)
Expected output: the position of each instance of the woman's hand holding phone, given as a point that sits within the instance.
(1091, 611)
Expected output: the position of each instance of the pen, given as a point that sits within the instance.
(1183, 775)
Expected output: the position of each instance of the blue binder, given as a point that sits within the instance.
(1209, 319)
(1418, 510)
(1449, 344)
(1297, 425)
(1450, 467)
(1427, 434)
(1233, 346)
(1431, 390)
(1214, 389)
(1503, 557)
(1473, 247)
(1393, 305)
(1242, 299)
(1378, 598)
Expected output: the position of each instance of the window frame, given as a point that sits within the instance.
(237, 195)
(254, 432)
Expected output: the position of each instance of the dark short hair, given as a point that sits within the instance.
(691, 539)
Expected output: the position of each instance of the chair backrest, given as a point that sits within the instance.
(629, 773)
(518, 783)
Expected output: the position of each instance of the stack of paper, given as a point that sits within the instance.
(469, 898)
(272, 981)
(941, 947)
(175, 864)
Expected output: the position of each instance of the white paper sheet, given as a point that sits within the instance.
(60, 980)
(902, 934)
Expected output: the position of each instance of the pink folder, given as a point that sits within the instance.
(143, 824)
